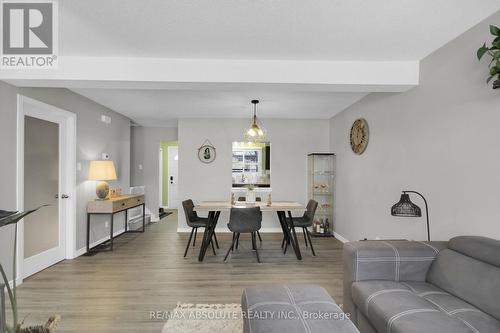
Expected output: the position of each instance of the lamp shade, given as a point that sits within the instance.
(405, 207)
(102, 170)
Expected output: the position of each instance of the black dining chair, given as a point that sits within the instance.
(257, 199)
(305, 222)
(195, 222)
(244, 220)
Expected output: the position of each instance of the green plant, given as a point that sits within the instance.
(493, 51)
(8, 218)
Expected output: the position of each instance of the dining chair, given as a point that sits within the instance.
(257, 199)
(305, 222)
(244, 220)
(195, 222)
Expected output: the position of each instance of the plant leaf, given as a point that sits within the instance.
(15, 217)
(494, 30)
(481, 51)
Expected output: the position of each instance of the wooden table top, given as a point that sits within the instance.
(226, 205)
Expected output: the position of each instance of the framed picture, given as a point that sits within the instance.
(206, 153)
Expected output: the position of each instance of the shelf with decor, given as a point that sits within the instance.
(320, 187)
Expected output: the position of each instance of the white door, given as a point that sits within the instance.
(46, 176)
(173, 161)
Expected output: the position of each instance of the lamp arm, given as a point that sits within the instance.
(426, 212)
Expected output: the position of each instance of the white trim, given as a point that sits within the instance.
(169, 190)
(340, 237)
(160, 176)
(67, 184)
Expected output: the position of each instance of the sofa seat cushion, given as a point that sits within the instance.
(397, 307)
(292, 309)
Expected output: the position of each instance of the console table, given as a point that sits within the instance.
(111, 207)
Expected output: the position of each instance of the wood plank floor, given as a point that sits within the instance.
(115, 291)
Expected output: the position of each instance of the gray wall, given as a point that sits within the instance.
(93, 138)
(440, 138)
(145, 149)
(291, 141)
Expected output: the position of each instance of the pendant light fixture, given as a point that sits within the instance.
(256, 132)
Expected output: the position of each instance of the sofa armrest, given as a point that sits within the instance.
(386, 260)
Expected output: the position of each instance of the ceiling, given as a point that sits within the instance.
(163, 107)
(159, 60)
(266, 29)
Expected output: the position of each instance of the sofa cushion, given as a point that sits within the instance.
(418, 307)
(292, 309)
(480, 248)
(472, 280)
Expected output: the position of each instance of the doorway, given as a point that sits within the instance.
(173, 172)
(169, 156)
(46, 175)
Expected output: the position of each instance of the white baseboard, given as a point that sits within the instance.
(340, 237)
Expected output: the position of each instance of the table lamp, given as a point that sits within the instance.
(102, 171)
(406, 208)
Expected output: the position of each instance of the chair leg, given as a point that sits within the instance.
(260, 238)
(237, 240)
(283, 242)
(310, 242)
(213, 247)
(216, 242)
(231, 248)
(254, 246)
(304, 232)
(195, 233)
(189, 242)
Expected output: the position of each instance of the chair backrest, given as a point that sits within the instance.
(191, 215)
(311, 207)
(245, 219)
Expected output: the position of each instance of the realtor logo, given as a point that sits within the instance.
(29, 37)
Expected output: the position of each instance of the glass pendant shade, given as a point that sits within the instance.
(406, 208)
(255, 132)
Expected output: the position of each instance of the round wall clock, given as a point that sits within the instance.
(359, 136)
(206, 153)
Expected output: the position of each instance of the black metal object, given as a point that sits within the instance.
(2, 307)
(406, 208)
(95, 249)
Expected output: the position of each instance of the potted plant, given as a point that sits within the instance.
(493, 51)
(8, 218)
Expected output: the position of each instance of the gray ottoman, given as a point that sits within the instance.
(292, 309)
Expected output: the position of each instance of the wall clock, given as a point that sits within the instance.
(359, 136)
(206, 153)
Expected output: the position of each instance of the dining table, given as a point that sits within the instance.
(281, 208)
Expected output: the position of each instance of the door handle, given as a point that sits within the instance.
(171, 179)
(63, 196)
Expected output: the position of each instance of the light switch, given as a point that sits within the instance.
(140, 166)
(106, 119)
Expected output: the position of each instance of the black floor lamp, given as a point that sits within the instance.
(406, 208)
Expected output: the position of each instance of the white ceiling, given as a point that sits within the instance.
(143, 58)
(163, 107)
(266, 29)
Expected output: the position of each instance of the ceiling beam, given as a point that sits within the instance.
(161, 73)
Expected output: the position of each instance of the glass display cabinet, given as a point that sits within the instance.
(320, 188)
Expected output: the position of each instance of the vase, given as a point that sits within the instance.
(2, 307)
(496, 84)
(250, 196)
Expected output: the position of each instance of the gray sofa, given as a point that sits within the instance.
(292, 309)
(424, 287)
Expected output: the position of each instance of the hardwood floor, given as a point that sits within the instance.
(115, 291)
